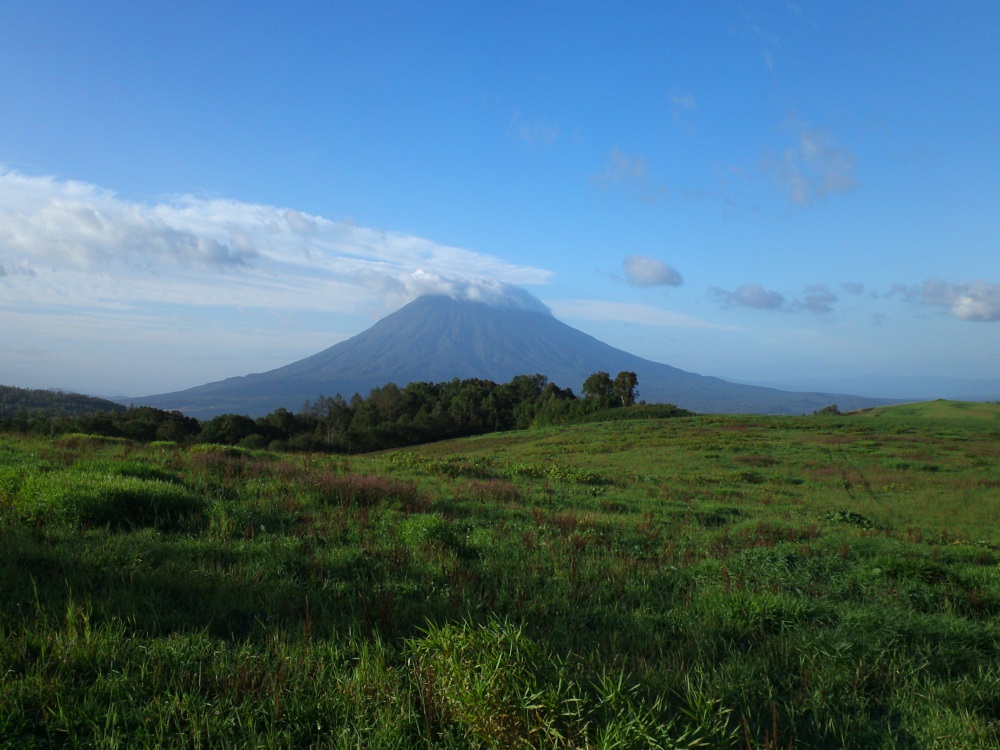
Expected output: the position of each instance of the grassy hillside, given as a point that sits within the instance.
(744, 582)
(952, 411)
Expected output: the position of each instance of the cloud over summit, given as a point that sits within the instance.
(76, 243)
(493, 293)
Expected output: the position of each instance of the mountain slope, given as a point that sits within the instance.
(437, 338)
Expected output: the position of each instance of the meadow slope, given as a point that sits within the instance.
(710, 581)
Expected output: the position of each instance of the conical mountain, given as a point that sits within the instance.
(437, 338)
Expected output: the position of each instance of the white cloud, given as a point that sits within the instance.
(626, 312)
(976, 301)
(641, 270)
(71, 243)
(750, 295)
(813, 169)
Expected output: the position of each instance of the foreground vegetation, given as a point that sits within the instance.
(746, 582)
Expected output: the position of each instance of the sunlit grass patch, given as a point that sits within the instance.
(106, 500)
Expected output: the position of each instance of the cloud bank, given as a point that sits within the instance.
(750, 295)
(64, 242)
(975, 301)
(627, 312)
(817, 299)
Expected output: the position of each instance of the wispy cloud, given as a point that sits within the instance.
(632, 173)
(67, 242)
(817, 299)
(641, 270)
(813, 169)
(534, 131)
(626, 312)
(975, 301)
(683, 102)
(683, 107)
(750, 295)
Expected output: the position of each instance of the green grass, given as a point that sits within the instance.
(745, 582)
(963, 411)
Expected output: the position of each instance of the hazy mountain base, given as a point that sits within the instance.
(706, 581)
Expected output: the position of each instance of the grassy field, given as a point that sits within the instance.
(745, 582)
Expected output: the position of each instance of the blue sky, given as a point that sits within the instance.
(758, 191)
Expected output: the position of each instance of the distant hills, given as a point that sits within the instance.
(908, 387)
(35, 401)
(437, 338)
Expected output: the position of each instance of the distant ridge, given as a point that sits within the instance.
(40, 401)
(437, 338)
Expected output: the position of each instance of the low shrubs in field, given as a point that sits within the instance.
(356, 489)
(481, 467)
(107, 500)
(493, 491)
(86, 440)
(218, 450)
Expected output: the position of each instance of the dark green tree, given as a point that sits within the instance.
(228, 429)
(626, 388)
(599, 389)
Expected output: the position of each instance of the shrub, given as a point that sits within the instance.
(87, 440)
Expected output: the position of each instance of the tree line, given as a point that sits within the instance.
(388, 417)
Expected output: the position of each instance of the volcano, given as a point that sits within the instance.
(438, 338)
